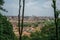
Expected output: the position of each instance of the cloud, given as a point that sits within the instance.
(47, 4)
(32, 7)
(39, 9)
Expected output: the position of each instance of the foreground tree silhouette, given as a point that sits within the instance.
(6, 29)
(19, 19)
(56, 18)
(21, 28)
(22, 23)
(1, 4)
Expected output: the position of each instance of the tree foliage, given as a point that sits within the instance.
(49, 31)
(6, 29)
(1, 4)
(25, 37)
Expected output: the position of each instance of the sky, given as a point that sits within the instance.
(32, 7)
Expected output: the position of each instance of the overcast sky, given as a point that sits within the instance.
(32, 7)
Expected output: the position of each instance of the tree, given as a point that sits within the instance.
(25, 37)
(6, 29)
(58, 23)
(22, 23)
(56, 17)
(1, 4)
(19, 19)
(35, 36)
(59, 29)
(47, 32)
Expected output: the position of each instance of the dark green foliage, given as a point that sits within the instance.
(59, 29)
(49, 30)
(6, 29)
(26, 25)
(35, 24)
(1, 2)
(25, 37)
(1, 8)
(35, 36)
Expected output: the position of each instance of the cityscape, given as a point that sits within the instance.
(27, 19)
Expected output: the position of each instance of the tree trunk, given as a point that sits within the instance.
(19, 18)
(56, 24)
(22, 18)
